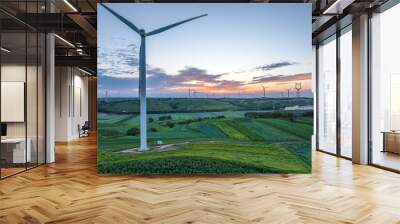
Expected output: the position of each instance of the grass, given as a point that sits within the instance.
(228, 128)
(299, 129)
(218, 142)
(243, 129)
(205, 158)
(174, 105)
(207, 129)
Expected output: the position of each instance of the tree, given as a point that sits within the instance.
(170, 124)
(133, 131)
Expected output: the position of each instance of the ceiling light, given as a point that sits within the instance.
(79, 51)
(64, 40)
(5, 50)
(333, 6)
(70, 5)
(338, 6)
(84, 71)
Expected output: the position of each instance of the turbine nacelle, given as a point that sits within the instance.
(142, 32)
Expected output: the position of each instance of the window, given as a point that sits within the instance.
(385, 89)
(346, 93)
(327, 96)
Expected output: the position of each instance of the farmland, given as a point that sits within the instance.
(215, 138)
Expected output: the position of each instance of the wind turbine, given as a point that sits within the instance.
(263, 87)
(142, 68)
(297, 86)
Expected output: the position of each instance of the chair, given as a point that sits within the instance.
(84, 130)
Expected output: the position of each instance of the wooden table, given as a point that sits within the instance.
(13, 150)
(391, 141)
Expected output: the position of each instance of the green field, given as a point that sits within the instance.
(212, 141)
(174, 105)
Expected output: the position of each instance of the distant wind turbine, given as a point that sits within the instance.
(264, 89)
(297, 86)
(142, 68)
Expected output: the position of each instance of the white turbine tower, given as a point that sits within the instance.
(142, 68)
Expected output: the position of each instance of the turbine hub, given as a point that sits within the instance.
(142, 32)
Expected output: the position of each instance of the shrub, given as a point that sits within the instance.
(174, 106)
(133, 131)
(290, 114)
(153, 129)
(170, 124)
(186, 121)
(164, 118)
(110, 133)
(151, 120)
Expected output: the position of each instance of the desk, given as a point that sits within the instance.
(13, 150)
(391, 141)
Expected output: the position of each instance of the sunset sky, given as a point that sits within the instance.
(233, 52)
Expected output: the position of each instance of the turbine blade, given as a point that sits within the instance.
(162, 29)
(131, 25)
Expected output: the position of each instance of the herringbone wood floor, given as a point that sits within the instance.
(70, 191)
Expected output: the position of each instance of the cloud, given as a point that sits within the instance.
(107, 82)
(229, 84)
(118, 62)
(158, 78)
(282, 78)
(268, 67)
(118, 71)
(190, 77)
(190, 74)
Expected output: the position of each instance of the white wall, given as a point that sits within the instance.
(80, 112)
(71, 102)
(17, 73)
(11, 73)
(62, 82)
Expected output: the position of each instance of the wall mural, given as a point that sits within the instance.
(204, 88)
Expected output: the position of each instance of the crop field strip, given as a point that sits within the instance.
(240, 129)
(213, 141)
